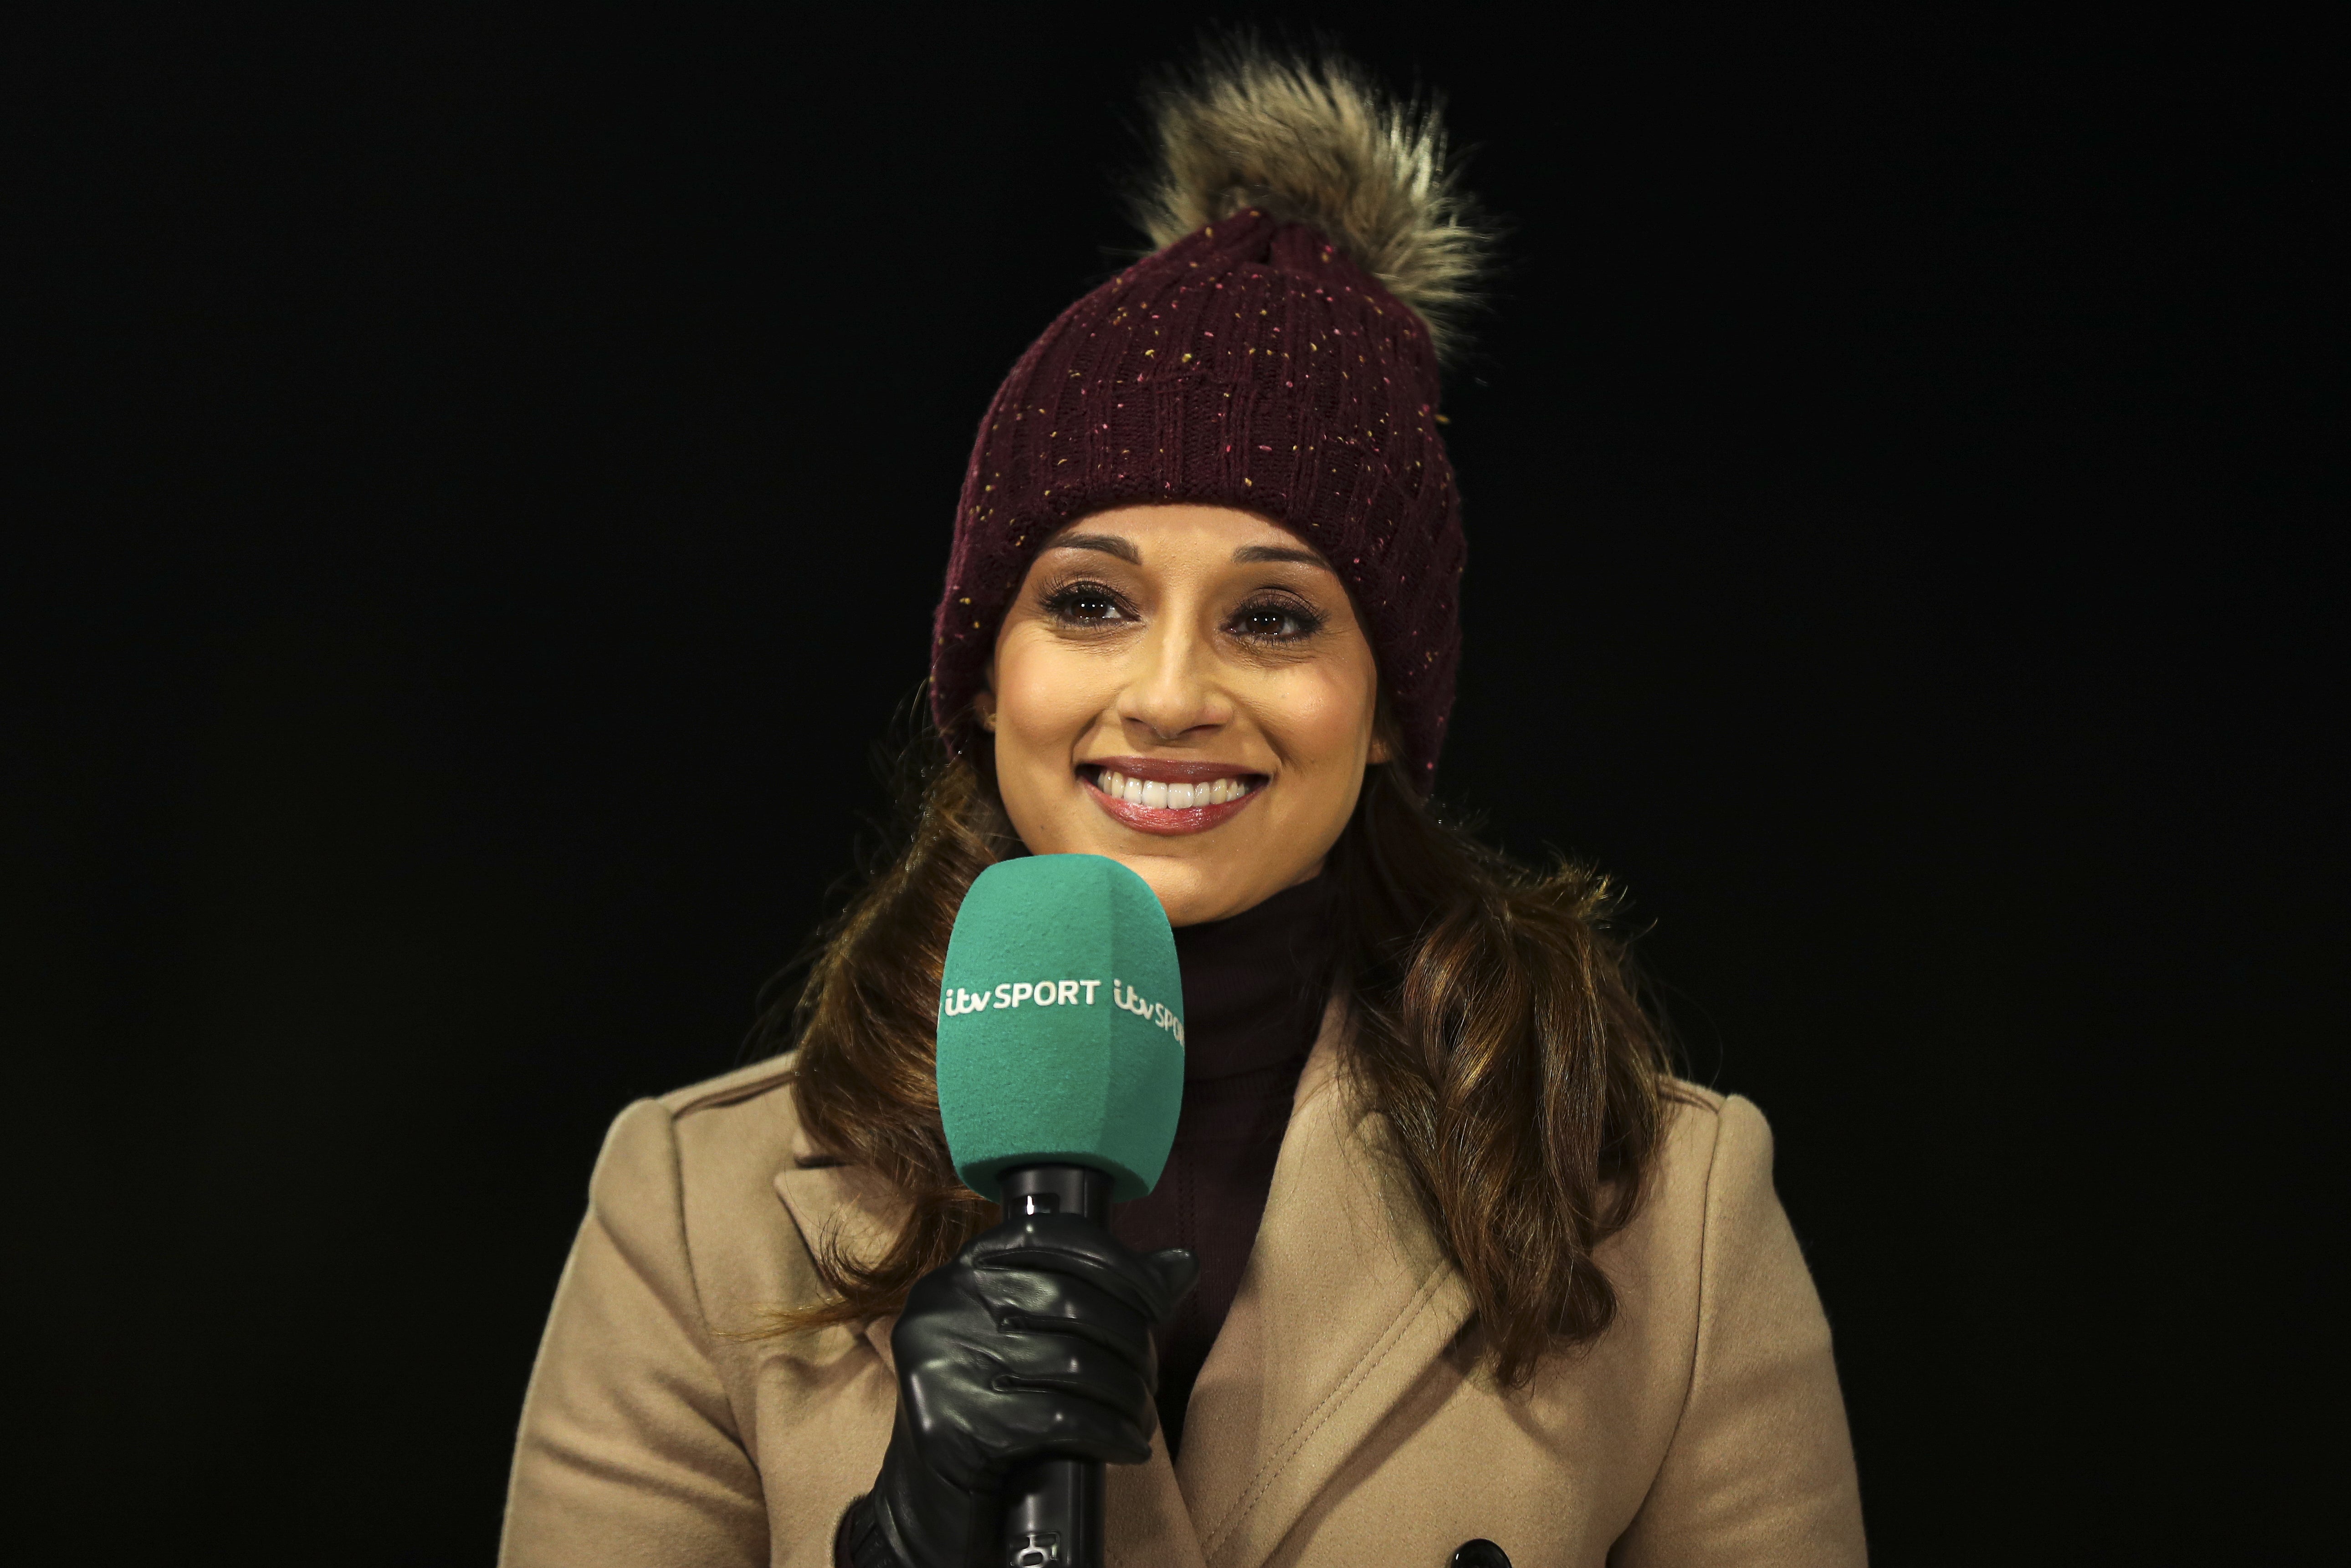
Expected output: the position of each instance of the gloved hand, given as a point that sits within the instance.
(1035, 1341)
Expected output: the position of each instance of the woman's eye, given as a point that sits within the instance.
(1086, 604)
(1276, 622)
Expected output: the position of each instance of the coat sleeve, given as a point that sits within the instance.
(1759, 1469)
(628, 1451)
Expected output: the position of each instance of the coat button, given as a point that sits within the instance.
(1480, 1553)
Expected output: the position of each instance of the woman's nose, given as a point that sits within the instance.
(1172, 689)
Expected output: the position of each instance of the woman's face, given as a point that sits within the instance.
(1185, 689)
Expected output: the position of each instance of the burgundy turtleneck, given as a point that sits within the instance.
(1254, 988)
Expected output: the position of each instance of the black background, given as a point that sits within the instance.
(482, 491)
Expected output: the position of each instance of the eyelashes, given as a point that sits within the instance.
(1087, 604)
(1277, 618)
(1265, 617)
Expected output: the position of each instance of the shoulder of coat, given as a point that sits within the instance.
(1711, 1137)
(1692, 1103)
(749, 1116)
(732, 1088)
(738, 1130)
(1693, 1127)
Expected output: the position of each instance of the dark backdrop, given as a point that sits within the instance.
(483, 493)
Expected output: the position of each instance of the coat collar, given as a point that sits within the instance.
(1346, 1300)
(846, 1205)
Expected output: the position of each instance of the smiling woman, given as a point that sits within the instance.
(1185, 689)
(1445, 1264)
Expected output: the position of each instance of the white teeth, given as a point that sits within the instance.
(1168, 797)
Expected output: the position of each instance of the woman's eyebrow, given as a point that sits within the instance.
(1109, 544)
(1250, 553)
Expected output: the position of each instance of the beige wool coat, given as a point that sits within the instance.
(1343, 1418)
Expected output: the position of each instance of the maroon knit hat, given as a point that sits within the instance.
(1255, 362)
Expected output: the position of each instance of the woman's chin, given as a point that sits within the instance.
(1194, 892)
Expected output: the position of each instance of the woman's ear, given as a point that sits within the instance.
(984, 705)
(1380, 752)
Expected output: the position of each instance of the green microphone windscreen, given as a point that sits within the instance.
(1060, 1024)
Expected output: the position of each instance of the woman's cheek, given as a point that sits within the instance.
(1044, 705)
(1322, 722)
(1037, 694)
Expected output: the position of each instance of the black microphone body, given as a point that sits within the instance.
(1053, 1508)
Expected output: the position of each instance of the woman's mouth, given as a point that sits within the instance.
(1155, 797)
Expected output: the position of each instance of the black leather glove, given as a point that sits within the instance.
(1034, 1342)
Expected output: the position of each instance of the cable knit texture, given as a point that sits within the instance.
(1250, 364)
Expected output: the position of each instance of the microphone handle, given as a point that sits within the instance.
(1053, 1508)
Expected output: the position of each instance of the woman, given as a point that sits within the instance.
(1445, 1266)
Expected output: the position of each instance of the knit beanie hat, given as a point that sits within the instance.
(1277, 354)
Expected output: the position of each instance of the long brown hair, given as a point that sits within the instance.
(1496, 1027)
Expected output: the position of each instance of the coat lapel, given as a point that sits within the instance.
(843, 1206)
(1346, 1300)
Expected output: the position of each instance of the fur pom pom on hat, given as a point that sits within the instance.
(1320, 145)
(1277, 354)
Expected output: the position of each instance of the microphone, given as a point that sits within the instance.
(1061, 1064)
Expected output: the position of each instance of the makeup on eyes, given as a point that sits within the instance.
(1062, 602)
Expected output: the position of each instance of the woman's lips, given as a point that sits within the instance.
(1171, 798)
